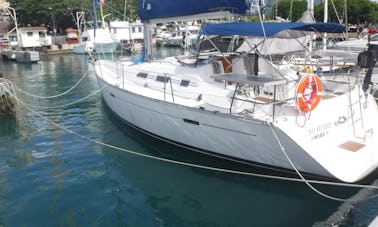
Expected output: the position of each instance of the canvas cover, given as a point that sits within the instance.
(155, 9)
(268, 29)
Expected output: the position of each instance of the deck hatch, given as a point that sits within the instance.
(351, 146)
(191, 121)
(162, 79)
(142, 75)
(184, 83)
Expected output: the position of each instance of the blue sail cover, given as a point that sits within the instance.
(269, 29)
(155, 9)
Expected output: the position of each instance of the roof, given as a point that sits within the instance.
(40, 28)
(268, 29)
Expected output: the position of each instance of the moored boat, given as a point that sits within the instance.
(241, 106)
(95, 37)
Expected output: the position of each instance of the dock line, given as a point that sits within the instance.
(308, 182)
(58, 95)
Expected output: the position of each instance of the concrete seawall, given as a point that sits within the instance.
(58, 49)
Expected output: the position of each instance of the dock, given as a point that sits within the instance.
(374, 222)
(27, 56)
(58, 49)
(31, 56)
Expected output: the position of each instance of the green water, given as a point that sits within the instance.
(54, 171)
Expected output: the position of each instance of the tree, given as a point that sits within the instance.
(358, 11)
(116, 9)
(62, 14)
(291, 9)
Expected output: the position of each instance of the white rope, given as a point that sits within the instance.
(67, 104)
(195, 165)
(308, 183)
(58, 95)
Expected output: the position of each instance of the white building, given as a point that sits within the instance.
(126, 31)
(34, 37)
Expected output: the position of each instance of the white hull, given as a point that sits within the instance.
(219, 134)
(357, 45)
(96, 41)
(323, 147)
(100, 48)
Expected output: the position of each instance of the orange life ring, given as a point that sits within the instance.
(309, 92)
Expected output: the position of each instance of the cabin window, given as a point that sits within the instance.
(162, 79)
(251, 64)
(142, 75)
(226, 39)
(227, 65)
(30, 34)
(184, 83)
(216, 67)
(140, 29)
(133, 29)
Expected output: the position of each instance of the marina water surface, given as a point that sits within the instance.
(66, 160)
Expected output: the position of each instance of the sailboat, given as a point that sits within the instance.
(239, 105)
(96, 38)
(357, 44)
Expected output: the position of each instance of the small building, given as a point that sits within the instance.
(72, 36)
(34, 37)
(130, 35)
(120, 30)
(137, 32)
(13, 40)
(126, 31)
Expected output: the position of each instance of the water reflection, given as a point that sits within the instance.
(49, 177)
(183, 195)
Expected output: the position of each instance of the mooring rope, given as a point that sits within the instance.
(58, 95)
(307, 182)
(208, 167)
(61, 94)
(71, 103)
(6, 102)
(374, 91)
(343, 212)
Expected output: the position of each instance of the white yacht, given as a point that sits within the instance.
(240, 105)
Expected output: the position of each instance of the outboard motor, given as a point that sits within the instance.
(367, 59)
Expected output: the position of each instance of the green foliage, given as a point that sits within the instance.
(62, 13)
(358, 12)
(291, 9)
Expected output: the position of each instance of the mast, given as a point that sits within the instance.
(346, 18)
(95, 4)
(102, 16)
(310, 7)
(124, 11)
(324, 40)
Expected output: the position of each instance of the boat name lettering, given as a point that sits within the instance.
(320, 131)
